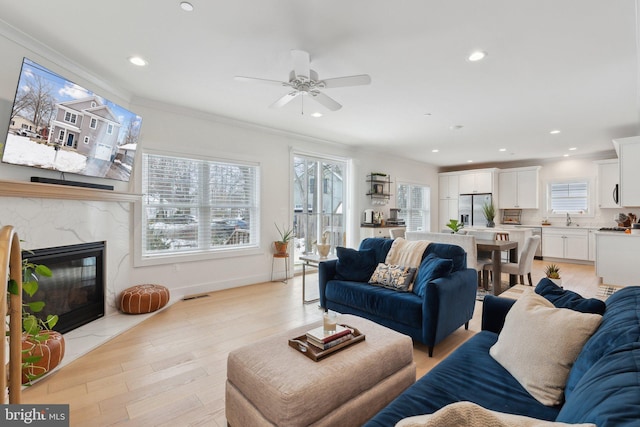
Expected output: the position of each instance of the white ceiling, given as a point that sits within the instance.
(552, 64)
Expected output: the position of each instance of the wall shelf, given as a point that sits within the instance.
(65, 192)
(379, 186)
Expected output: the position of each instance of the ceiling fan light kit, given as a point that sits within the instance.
(305, 81)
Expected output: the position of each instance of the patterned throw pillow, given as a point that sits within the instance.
(394, 277)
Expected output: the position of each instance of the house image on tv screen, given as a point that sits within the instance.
(87, 126)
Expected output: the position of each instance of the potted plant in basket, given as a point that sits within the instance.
(286, 234)
(42, 348)
(552, 271)
(489, 211)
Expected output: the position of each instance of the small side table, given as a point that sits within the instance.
(311, 260)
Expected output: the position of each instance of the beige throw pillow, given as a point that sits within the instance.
(539, 344)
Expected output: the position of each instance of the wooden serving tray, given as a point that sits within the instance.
(300, 344)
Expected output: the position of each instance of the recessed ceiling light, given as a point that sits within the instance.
(565, 155)
(502, 149)
(478, 55)
(316, 114)
(435, 150)
(573, 148)
(136, 60)
(186, 6)
(554, 132)
(469, 161)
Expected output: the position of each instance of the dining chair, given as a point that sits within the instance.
(484, 258)
(397, 232)
(525, 263)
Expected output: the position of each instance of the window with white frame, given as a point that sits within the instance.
(572, 196)
(192, 205)
(415, 206)
(70, 117)
(93, 124)
(86, 140)
(109, 129)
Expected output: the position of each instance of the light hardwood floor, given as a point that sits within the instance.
(171, 369)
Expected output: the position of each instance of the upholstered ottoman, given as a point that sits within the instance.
(272, 384)
(143, 299)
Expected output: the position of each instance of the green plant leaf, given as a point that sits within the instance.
(30, 325)
(36, 306)
(31, 359)
(51, 321)
(12, 286)
(43, 270)
(30, 287)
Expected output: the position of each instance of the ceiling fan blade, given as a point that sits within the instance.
(257, 80)
(285, 99)
(301, 63)
(361, 79)
(328, 102)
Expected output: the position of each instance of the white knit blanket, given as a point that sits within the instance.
(406, 253)
(467, 414)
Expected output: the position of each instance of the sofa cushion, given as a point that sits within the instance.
(432, 267)
(469, 374)
(353, 265)
(539, 343)
(395, 277)
(452, 252)
(609, 393)
(469, 414)
(563, 298)
(620, 325)
(401, 307)
(380, 247)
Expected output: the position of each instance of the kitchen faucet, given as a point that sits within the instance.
(568, 219)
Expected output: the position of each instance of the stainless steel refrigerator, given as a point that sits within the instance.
(470, 209)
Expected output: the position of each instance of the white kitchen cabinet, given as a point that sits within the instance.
(374, 232)
(617, 258)
(570, 243)
(518, 188)
(628, 154)
(476, 182)
(448, 186)
(447, 209)
(592, 244)
(608, 179)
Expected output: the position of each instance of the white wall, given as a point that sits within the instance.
(169, 129)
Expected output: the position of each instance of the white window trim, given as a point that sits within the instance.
(93, 120)
(86, 139)
(418, 184)
(141, 261)
(590, 202)
(110, 128)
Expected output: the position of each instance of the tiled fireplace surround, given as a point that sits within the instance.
(42, 223)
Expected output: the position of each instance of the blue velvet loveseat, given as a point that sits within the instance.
(442, 298)
(602, 387)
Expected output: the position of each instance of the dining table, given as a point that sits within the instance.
(496, 247)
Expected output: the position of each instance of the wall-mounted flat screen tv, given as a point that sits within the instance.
(57, 125)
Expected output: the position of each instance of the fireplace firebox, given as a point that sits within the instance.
(75, 291)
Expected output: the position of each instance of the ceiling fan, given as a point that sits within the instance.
(304, 81)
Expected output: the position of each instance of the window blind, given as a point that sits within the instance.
(572, 197)
(198, 205)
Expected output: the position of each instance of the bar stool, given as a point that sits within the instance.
(285, 257)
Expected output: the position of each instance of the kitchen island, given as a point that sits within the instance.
(617, 258)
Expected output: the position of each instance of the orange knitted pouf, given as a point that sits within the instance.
(143, 299)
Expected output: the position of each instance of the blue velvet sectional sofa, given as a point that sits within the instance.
(603, 385)
(441, 301)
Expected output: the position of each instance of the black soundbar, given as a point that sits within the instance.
(71, 183)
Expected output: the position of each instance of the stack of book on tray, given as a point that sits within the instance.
(325, 340)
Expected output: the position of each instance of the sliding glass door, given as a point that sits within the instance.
(319, 196)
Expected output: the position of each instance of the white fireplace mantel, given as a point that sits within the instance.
(54, 191)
